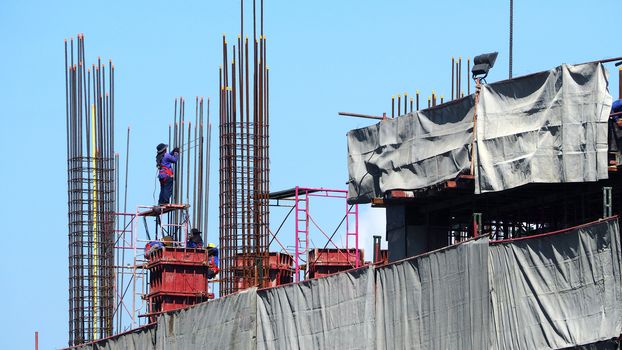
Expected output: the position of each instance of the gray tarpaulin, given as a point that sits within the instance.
(225, 323)
(413, 151)
(437, 301)
(558, 290)
(547, 292)
(335, 312)
(140, 339)
(545, 127)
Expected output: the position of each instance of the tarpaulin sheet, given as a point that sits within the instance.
(436, 301)
(334, 312)
(139, 339)
(413, 151)
(225, 323)
(552, 291)
(557, 290)
(545, 127)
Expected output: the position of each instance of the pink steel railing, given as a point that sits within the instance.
(131, 278)
(303, 217)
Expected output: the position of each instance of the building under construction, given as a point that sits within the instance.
(502, 213)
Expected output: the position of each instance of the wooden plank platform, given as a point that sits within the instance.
(163, 209)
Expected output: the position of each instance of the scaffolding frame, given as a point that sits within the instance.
(131, 309)
(304, 221)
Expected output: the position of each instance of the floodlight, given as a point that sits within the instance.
(482, 64)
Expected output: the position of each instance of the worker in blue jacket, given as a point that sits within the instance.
(164, 162)
(195, 240)
(616, 107)
(212, 253)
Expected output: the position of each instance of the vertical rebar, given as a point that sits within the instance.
(405, 102)
(392, 106)
(468, 72)
(452, 78)
(92, 194)
(417, 100)
(511, 36)
(244, 184)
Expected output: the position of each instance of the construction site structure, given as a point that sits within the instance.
(426, 219)
(177, 279)
(281, 270)
(327, 261)
(380, 256)
(169, 277)
(92, 193)
(299, 200)
(244, 159)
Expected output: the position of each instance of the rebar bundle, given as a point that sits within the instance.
(91, 194)
(191, 172)
(244, 163)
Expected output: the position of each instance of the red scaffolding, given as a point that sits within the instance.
(168, 278)
(304, 222)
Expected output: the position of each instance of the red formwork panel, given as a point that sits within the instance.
(177, 278)
(383, 257)
(168, 302)
(178, 256)
(323, 262)
(280, 270)
(281, 261)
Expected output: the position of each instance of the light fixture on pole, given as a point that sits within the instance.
(482, 64)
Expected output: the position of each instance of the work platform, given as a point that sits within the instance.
(161, 209)
(166, 278)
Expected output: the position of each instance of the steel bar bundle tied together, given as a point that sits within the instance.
(191, 172)
(244, 165)
(91, 193)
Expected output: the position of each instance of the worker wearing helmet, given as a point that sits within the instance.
(212, 255)
(164, 162)
(615, 127)
(195, 240)
(616, 108)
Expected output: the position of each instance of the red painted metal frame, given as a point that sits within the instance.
(324, 262)
(281, 270)
(177, 278)
(131, 294)
(302, 217)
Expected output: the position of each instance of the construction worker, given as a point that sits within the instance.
(168, 241)
(195, 240)
(616, 107)
(615, 127)
(152, 246)
(212, 260)
(164, 162)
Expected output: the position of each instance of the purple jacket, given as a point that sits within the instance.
(166, 166)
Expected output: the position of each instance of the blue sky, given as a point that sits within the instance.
(324, 57)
